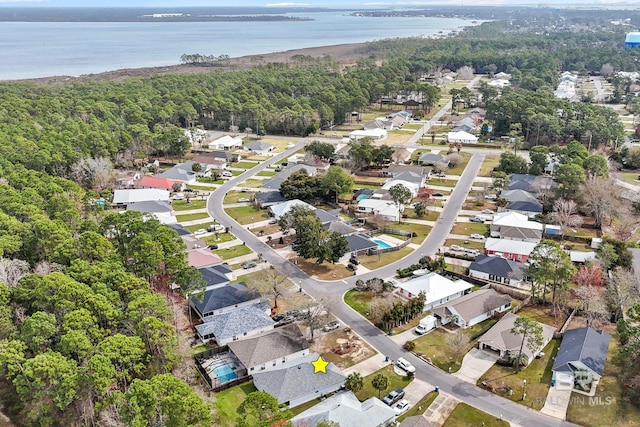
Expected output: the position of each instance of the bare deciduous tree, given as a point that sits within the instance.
(457, 343)
(623, 290)
(12, 270)
(565, 213)
(270, 283)
(441, 167)
(606, 70)
(590, 303)
(93, 173)
(455, 159)
(234, 129)
(600, 199)
(465, 73)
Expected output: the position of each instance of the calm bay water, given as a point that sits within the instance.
(41, 49)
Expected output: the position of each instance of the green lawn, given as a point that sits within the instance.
(222, 237)
(441, 182)
(428, 216)
(629, 177)
(419, 407)
(394, 381)
(369, 186)
(192, 217)
(233, 196)
(359, 301)
(458, 169)
(464, 415)
(421, 230)
(478, 244)
(227, 403)
(244, 165)
(247, 214)
(372, 262)
(266, 173)
(538, 376)
(620, 412)
(182, 205)
(301, 408)
(251, 183)
(195, 227)
(470, 228)
(208, 180)
(433, 346)
(413, 126)
(232, 252)
(490, 161)
(204, 187)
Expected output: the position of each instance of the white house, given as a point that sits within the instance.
(462, 137)
(124, 197)
(226, 143)
(271, 350)
(515, 226)
(437, 289)
(295, 382)
(414, 187)
(510, 249)
(259, 148)
(378, 134)
(383, 208)
(473, 308)
(280, 209)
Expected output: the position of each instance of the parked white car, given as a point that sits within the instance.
(227, 174)
(456, 248)
(216, 227)
(243, 200)
(401, 407)
(199, 232)
(404, 364)
(477, 236)
(487, 211)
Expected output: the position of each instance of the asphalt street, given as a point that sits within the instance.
(330, 293)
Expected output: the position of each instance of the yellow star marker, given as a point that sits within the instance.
(319, 365)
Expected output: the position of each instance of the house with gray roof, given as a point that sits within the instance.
(260, 148)
(530, 209)
(275, 181)
(268, 198)
(507, 344)
(137, 195)
(401, 155)
(181, 172)
(340, 227)
(516, 226)
(360, 243)
(216, 275)
(181, 229)
(346, 410)
(385, 124)
(271, 349)
(500, 270)
(151, 206)
(531, 183)
(409, 177)
(430, 159)
(518, 196)
(471, 309)
(224, 298)
(582, 349)
(242, 323)
(392, 170)
(294, 383)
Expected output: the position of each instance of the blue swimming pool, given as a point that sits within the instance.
(362, 197)
(224, 373)
(381, 243)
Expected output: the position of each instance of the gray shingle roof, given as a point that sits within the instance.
(269, 197)
(497, 266)
(324, 216)
(235, 323)
(180, 229)
(257, 146)
(296, 378)
(340, 227)
(346, 410)
(500, 336)
(359, 242)
(583, 345)
(215, 274)
(225, 296)
(150, 206)
(525, 207)
(472, 305)
(271, 345)
(431, 158)
(178, 173)
(408, 176)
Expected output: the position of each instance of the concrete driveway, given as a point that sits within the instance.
(557, 403)
(475, 364)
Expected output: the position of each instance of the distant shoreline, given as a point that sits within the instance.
(344, 54)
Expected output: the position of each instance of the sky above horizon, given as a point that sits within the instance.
(303, 3)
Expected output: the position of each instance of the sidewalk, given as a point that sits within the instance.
(369, 366)
(440, 409)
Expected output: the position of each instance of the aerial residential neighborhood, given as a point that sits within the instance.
(399, 238)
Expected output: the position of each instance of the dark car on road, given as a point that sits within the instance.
(213, 247)
(393, 396)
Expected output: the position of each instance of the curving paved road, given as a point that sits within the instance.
(331, 294)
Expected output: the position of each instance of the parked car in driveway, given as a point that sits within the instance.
(477, 218)
(331, 326)
(248, 265)
(354, 260)
(477, 236)
(352, 267)
(243, 200)
(393, 396)
(199, 232)
(487, 211)
(401, 407)
(216, 227)
(213, 246)
(456, 248)
(404, 364)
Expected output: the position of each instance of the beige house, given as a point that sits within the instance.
(472, 308)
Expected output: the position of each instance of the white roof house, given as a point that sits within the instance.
(372, 133)
(414, 187)
(282, 208)
(123, 197)
(226, 143)
(437, 289)
(462, 137)
(384, 208)
(516, 226)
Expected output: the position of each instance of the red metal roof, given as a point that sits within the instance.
(154, 182)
